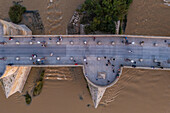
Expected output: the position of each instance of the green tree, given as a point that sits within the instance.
(15, 13)
(101, 15)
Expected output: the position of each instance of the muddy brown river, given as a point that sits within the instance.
(137, 91)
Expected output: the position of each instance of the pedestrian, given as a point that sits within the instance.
(86, 63)
(94, 38)
(113, 71)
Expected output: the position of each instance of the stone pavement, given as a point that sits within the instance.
(102, 56)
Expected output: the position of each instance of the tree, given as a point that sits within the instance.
(101, 15)
(15, 13)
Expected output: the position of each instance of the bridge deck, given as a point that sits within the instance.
(120, 51)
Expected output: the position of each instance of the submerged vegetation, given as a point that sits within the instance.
(39, 85)
(28, 98)
(101, 15)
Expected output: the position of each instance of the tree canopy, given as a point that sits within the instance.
(15, 13)
(101, 15)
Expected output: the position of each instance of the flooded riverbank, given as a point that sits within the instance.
(55, 15)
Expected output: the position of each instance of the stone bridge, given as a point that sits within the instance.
(101, 56)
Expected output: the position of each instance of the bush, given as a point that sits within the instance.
(39, 85)
(15, 13)
(38, 88)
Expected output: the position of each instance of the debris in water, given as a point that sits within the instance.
(88, 105)
(80, 97)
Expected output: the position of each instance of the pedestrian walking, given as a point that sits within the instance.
(94, 38)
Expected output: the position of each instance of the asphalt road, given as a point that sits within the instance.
(91, 50)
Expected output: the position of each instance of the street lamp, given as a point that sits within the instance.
(99, 43)
(58, 43)
(71, 42)
(113, 43)
(71, 58)
(98, 58)
(17, 58)
(58, 58)
(85, 42)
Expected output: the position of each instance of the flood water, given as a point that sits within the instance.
(55, 15)
(137, 91)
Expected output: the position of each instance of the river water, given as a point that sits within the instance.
(137, 91)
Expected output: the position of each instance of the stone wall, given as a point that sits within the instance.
(10, 28)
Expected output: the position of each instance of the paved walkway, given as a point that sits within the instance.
(107, 57)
